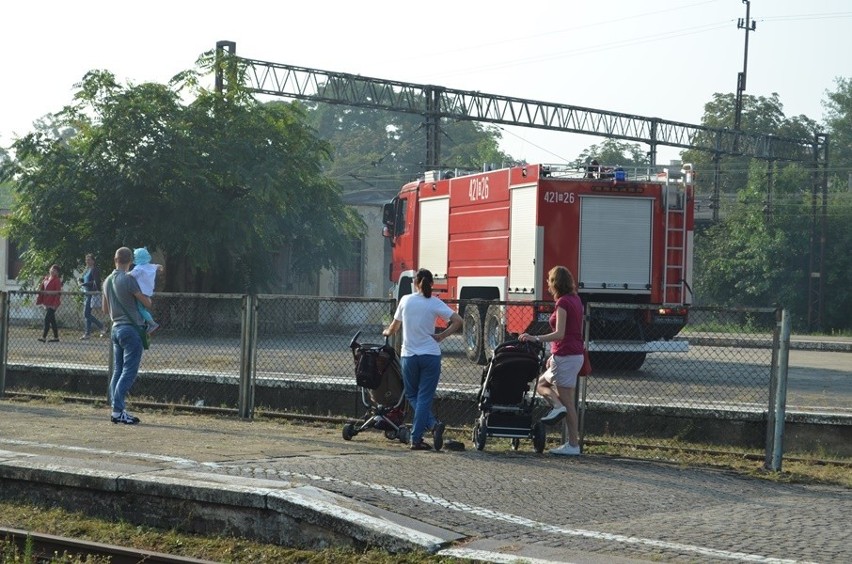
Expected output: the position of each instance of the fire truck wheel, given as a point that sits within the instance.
(494, 330)
(617, 361)
(473, 338)
(633, 361)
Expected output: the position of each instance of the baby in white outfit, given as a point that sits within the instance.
(145, 274)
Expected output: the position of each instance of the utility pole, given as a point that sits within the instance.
(748, 25)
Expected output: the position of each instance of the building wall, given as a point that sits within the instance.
(7, 283)
(375, 258)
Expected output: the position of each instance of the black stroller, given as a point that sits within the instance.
(505, 400)
(379, 377)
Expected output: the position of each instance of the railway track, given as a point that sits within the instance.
(44, 547)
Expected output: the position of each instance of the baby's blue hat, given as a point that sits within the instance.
(141, 256)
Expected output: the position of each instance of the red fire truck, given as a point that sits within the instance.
(490, 238)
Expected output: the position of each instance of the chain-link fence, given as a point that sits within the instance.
(651, 377)
(719, 367)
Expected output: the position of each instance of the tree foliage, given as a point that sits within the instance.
(838, 109)
(375, 152)
(220, 185)
(762, 251)
(760, 115)
(612, 152)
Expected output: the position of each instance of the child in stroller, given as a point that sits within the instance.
(379, 377)
(506, 399)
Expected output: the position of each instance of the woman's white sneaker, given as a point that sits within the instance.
(566, 450)
(555, 416)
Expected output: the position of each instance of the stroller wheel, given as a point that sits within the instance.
(539, 437)
(404, 435)
(390, 434)
(516, 444)
(480, 433)
(348, 432)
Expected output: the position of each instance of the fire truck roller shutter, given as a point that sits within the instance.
(615, 245)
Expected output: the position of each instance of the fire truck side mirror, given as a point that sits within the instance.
(389, 219)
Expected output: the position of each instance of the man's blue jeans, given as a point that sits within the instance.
(420, 374)
(127, 354)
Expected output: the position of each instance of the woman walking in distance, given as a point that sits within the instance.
(50, 301)
(90, 282)
(421, 354)
(558, 383)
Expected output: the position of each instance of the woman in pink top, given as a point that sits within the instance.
(558, 383)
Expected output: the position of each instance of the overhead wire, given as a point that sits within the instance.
(610, 44)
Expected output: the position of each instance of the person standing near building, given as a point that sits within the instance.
(120, 294)
(51, 302)
(421, 354)
(558, 383)
(90, 283)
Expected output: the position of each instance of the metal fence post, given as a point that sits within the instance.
(781, 392)
(248, 355)
(4, 339)
(394, 341)
(773, 385)
(581, 384)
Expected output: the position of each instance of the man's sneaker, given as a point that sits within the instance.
(421, 445)
(125, 418)
(555, 416)
(84, 337)
(152, 326)
(53, 340)
(42, 339)
(566, 450)
(438, 434)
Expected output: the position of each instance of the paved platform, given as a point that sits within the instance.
(497, 505)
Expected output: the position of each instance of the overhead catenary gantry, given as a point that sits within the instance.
(437, 103)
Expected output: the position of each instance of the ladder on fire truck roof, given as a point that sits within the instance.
(676, 237)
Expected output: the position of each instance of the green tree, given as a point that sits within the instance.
(838, 280)
(219, 185)
(375, 152)
(759, 254)
(760, 115)
(611, 152)
(838, 112)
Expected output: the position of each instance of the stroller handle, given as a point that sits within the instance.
(534, 345)
(354, 344)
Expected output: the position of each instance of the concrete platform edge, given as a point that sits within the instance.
(280, 503)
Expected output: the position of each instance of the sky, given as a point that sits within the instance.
(656, 58)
